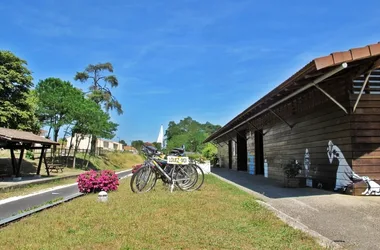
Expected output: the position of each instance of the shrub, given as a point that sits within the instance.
(93, 181)
(197, 157)
(292, 169)
(29, 154)
(210, 152)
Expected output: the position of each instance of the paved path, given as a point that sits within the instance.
(11, 208)
(351, 221)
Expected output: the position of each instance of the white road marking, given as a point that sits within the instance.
(15, 198)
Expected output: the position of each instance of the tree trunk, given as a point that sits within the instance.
(56, 131)
(76, 149)
(48, 135)
(93, 144)
(70, 147)
(85, 154)
(64, 136)
(88, 161)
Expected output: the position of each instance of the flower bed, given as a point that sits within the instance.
(93, 181)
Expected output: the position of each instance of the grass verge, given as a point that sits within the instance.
(41, 205)
(114, 160)
(220, 216)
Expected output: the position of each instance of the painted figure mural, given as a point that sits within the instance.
(345, 176)
(306, 163)
(307, 169)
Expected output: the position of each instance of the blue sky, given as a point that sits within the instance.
(176, 58)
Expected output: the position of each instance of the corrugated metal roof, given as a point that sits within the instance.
(13, 135)
(311, 70)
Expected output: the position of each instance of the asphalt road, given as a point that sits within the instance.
(13, 207)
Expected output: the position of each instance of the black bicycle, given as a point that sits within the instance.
(176, 171)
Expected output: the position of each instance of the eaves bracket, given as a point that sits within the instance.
(282, 119)
(256, 129)
(374, 66)
(245, 137)
(331, 98)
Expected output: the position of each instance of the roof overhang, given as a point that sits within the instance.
(332, 67)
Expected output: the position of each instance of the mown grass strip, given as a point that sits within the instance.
(220, 216)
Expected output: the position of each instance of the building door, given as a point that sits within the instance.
(259, 152)
(230, 154)
(242, 151)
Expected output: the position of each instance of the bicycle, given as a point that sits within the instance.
(180, 174)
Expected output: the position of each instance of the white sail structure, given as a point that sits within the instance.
(160, 138)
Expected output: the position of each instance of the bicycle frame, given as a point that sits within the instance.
(158, 167)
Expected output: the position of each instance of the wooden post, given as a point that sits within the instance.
(19, 162)
(13, 159)
(46, 165)
(40, 161)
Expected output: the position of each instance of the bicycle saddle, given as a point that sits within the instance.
(177, 151)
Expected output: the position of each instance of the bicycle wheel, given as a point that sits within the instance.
(143, 180)
(201, 178)
(185, 177)
(198, 182)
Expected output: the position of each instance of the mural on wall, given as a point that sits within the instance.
(306, 163)
(251, 164)
(307, 168)
(345, 176)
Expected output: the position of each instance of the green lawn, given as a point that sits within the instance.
(220, 216)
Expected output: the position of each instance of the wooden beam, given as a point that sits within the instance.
(331, 98)
(13, 160)
(245, 137)
(40, 161)
(282, 119)
(46, 165)
(361, 91)
(231, 138)
(256, 129)
(19, 162)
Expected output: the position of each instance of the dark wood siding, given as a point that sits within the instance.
(365, 124)
(316, 120)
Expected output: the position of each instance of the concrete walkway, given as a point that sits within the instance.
(351, 221)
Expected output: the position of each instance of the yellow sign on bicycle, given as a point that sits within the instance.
(178, 160)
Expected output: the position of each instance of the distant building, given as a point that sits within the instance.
(85, 143)
(130, 149)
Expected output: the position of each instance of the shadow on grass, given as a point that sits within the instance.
(79, 163)
(27, 167)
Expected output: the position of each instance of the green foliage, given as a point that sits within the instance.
(123, 142)
(137, 144)
(292, 169)
(190, 133)
(58, 100)
(29, 154)
(197, 157)
(209, 151)
(16, 102)
(157, 145)
(89, 118)
(99, 91)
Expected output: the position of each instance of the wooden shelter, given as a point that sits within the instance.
(326, 116)
(20, 140)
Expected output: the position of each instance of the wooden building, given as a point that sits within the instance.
(326, 116)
